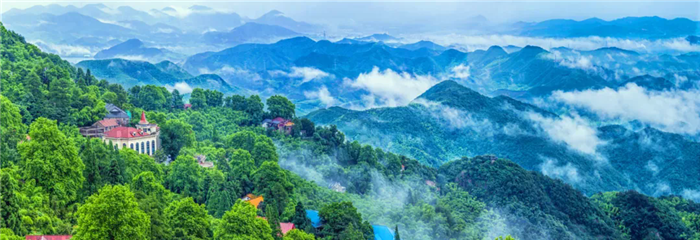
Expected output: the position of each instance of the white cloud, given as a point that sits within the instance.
(389, 88)
(307, 73)
(132, 57)
(460, 71)
(63, 49)
(567, 172)
(322, 95)
(574, 131)
(181, 87)
(691, 194)
(672, 111)
(483, 42)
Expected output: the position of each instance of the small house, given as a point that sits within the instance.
(279, 124)
(315, 218)
(382, 232)
(252, 199)
(286, 227)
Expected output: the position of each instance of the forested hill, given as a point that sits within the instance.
(54, 181)
(449, 121)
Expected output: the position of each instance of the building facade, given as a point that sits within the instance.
(143, 139)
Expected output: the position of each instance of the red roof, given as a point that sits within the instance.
(286, 227)
(110, 122)
(143, 118)
(125, 132)
(48, 237)
(279, 119)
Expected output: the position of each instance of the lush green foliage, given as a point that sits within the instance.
(58, 182)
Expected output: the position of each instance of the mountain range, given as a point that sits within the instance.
(131, 73)
(449, 121)
(135, 49)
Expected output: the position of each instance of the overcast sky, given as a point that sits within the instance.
(339, 12)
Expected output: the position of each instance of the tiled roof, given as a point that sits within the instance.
(314, 217)
(254, 200)
(143, 118)
(115, 112)
(125, 132)
(382, 232)
(109, 122)
(286, 227)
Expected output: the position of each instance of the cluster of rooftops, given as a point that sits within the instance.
(381, 232)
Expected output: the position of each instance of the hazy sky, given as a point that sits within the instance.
(348, 12)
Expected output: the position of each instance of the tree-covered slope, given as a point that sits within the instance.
(449, 121)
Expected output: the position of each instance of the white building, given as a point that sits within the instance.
(143, 138)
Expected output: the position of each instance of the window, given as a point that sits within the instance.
(153, 146)
(148, 148)
(131, 146)
(123, 145)
(137, 147)
(142, 149)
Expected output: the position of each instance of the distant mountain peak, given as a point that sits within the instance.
(200, 8)
(273, 13)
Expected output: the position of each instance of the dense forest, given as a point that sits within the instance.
(54, 181)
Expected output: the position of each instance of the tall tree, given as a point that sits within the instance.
(112, 213)
(300, 220)
(177, 102)
(339, 217)
(198, 98)
(273, 219)
(254, 108)
(12, 131)
(93, 154)
(279, 106)
(174, 135)
(396, 233)
(241, 222)
(52, 160)
(184, 176)
(10, 203)
(188, 220)
(153, 198)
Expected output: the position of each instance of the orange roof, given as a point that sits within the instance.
(254, 200)
(290, 123)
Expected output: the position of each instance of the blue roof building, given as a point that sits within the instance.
(382, 232)
(314, 217)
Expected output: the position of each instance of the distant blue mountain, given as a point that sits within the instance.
(383, 37)
(423, 44)
(134, 48)
(249, 32)
(278, 18)
(628, 27)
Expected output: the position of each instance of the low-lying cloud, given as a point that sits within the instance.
(181, 87)
(307, 73)
(567, 172)
(483, 42)
(389, 88)
(672, 111)
(574, 131)
(460, 71)
(323, 95)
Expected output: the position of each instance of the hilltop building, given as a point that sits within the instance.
(279, 124)
(115, 117)
(144, 138)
